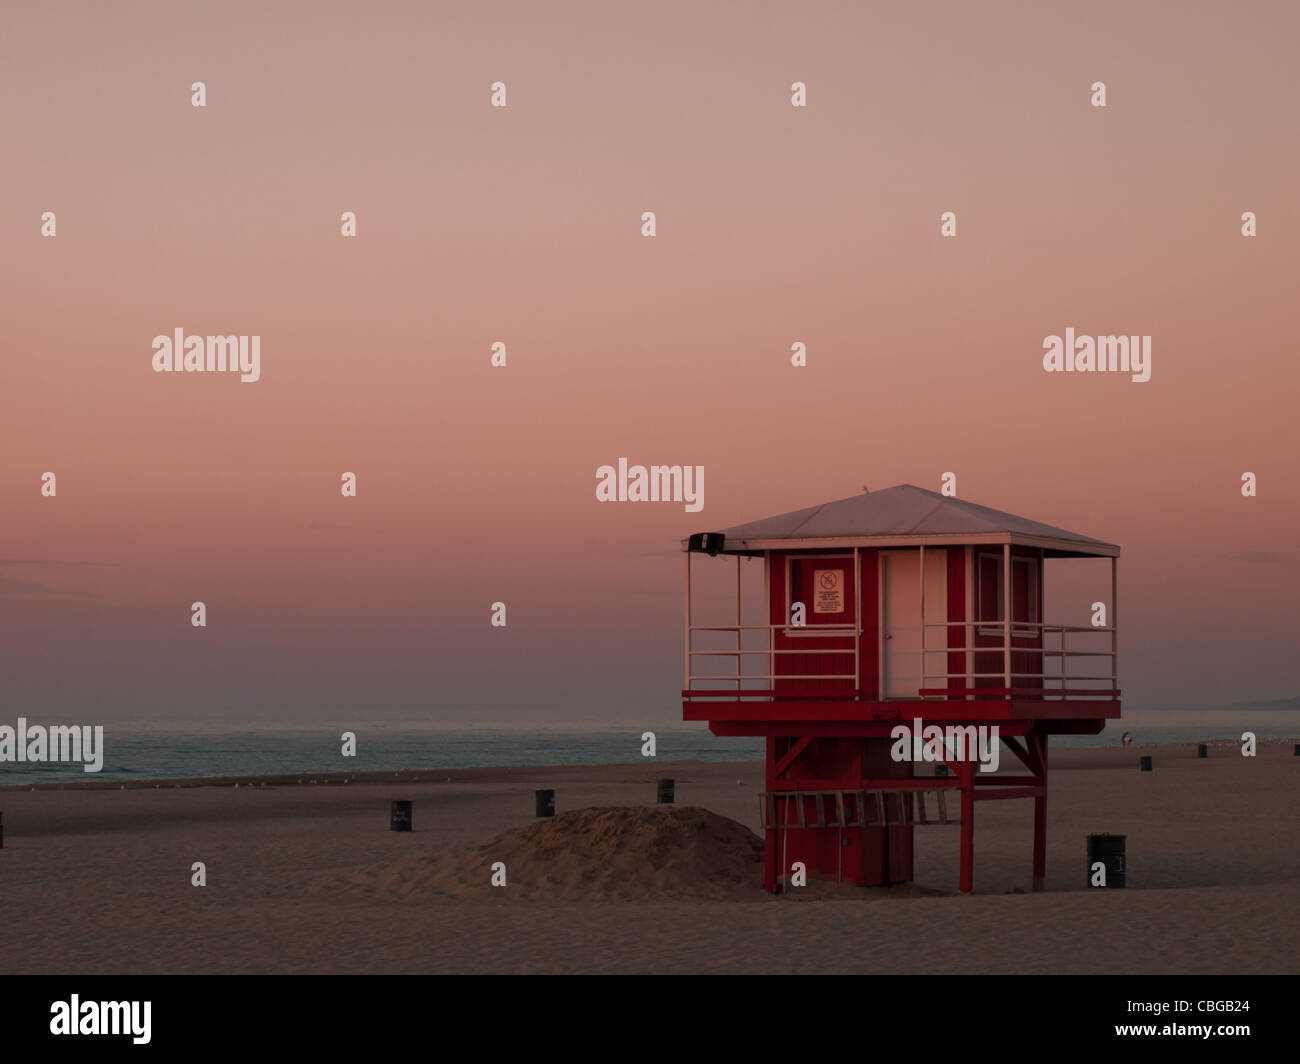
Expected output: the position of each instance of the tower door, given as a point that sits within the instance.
(904, 668)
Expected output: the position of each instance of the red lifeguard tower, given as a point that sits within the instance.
(915, 606)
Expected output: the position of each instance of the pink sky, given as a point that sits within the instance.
(522, 225)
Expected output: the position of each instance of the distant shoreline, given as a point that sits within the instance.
(485, 774)
(538, 773)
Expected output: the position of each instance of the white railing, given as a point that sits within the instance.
(771, 651)
(936, 683)
(1023, 630)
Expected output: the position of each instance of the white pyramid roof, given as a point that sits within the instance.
(905, 516)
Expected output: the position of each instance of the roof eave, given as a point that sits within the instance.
(1059, 547)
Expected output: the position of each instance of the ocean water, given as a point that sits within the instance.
(143, 750)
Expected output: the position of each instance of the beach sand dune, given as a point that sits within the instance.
(597, 854)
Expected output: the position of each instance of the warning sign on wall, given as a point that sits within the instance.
(828, 591)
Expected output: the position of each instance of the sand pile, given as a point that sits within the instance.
(589, 855)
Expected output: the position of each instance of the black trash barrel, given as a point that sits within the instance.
(1203, 750)
(546, 803)
(399, 819)
(1109, 850)
(1146, 763)
(664, 794)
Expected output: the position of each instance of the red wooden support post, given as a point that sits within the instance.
(967, 826)
(1040, 840)
(772, 842)
(1038, 744)
(772, 836)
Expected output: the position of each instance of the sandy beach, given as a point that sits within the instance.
(307, 877)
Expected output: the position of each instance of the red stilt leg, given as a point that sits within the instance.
(1040, 815)
(967, 825)
(771, 837)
